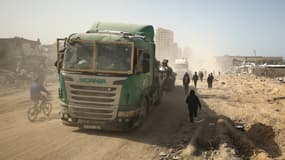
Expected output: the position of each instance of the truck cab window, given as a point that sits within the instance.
(143, 58)
(78, 56)
(146, 63)
(114, 57)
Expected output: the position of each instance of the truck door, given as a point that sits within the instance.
(60, 46)
(143, 67)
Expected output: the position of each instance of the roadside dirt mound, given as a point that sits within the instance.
(263, 137)
(255, 102)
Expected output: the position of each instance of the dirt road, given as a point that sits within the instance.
(166, 133)
(49, 139)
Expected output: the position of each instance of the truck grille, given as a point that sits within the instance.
(93, 102)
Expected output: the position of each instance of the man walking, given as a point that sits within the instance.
(193, 104)
(210, 80)
(195, 79)
(201, 75)
(186, 81)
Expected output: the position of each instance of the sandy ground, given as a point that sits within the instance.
(254, 102)
(167, 134)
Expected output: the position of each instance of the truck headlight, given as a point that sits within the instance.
(67, 78)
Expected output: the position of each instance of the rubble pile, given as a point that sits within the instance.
(22, 60)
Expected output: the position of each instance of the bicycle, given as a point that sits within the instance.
(44, 107)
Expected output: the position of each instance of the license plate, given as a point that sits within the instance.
(91, 121)
(86, 126)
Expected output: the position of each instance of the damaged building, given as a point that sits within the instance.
(270, 70)
(166, 48)
(226, 62)
(258, 65)
(19, 53)
(22, 58)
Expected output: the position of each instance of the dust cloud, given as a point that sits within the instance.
(205, 62)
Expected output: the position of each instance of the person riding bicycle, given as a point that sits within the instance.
(35, 91)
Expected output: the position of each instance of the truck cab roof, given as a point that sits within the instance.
(141, 35)
(143, 30)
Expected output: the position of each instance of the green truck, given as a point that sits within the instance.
(109, 77)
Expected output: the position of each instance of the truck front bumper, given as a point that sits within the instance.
(123, 121)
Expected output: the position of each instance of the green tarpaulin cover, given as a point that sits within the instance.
(145, 30)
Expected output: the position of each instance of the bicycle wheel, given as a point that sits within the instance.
(47, 109)
(32, 114)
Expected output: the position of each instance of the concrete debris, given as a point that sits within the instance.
(170, 150)
(174, 150)
(162, 154)
(240, 126)
(281, 79)
(176, 158)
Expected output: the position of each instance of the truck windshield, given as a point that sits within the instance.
(113, 57)
(78, 56)
(106, 58)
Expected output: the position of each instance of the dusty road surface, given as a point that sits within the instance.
(167, 133)
(49, 139)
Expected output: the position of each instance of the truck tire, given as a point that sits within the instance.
(142, 114)
(160, 94)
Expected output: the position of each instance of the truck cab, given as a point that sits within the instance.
(109, 77)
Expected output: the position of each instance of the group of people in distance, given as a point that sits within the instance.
(192, 100)
(195, 78)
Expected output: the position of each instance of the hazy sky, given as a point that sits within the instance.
(208, 26)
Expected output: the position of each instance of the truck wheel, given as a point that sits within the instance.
(142, 114)
(160, 94)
